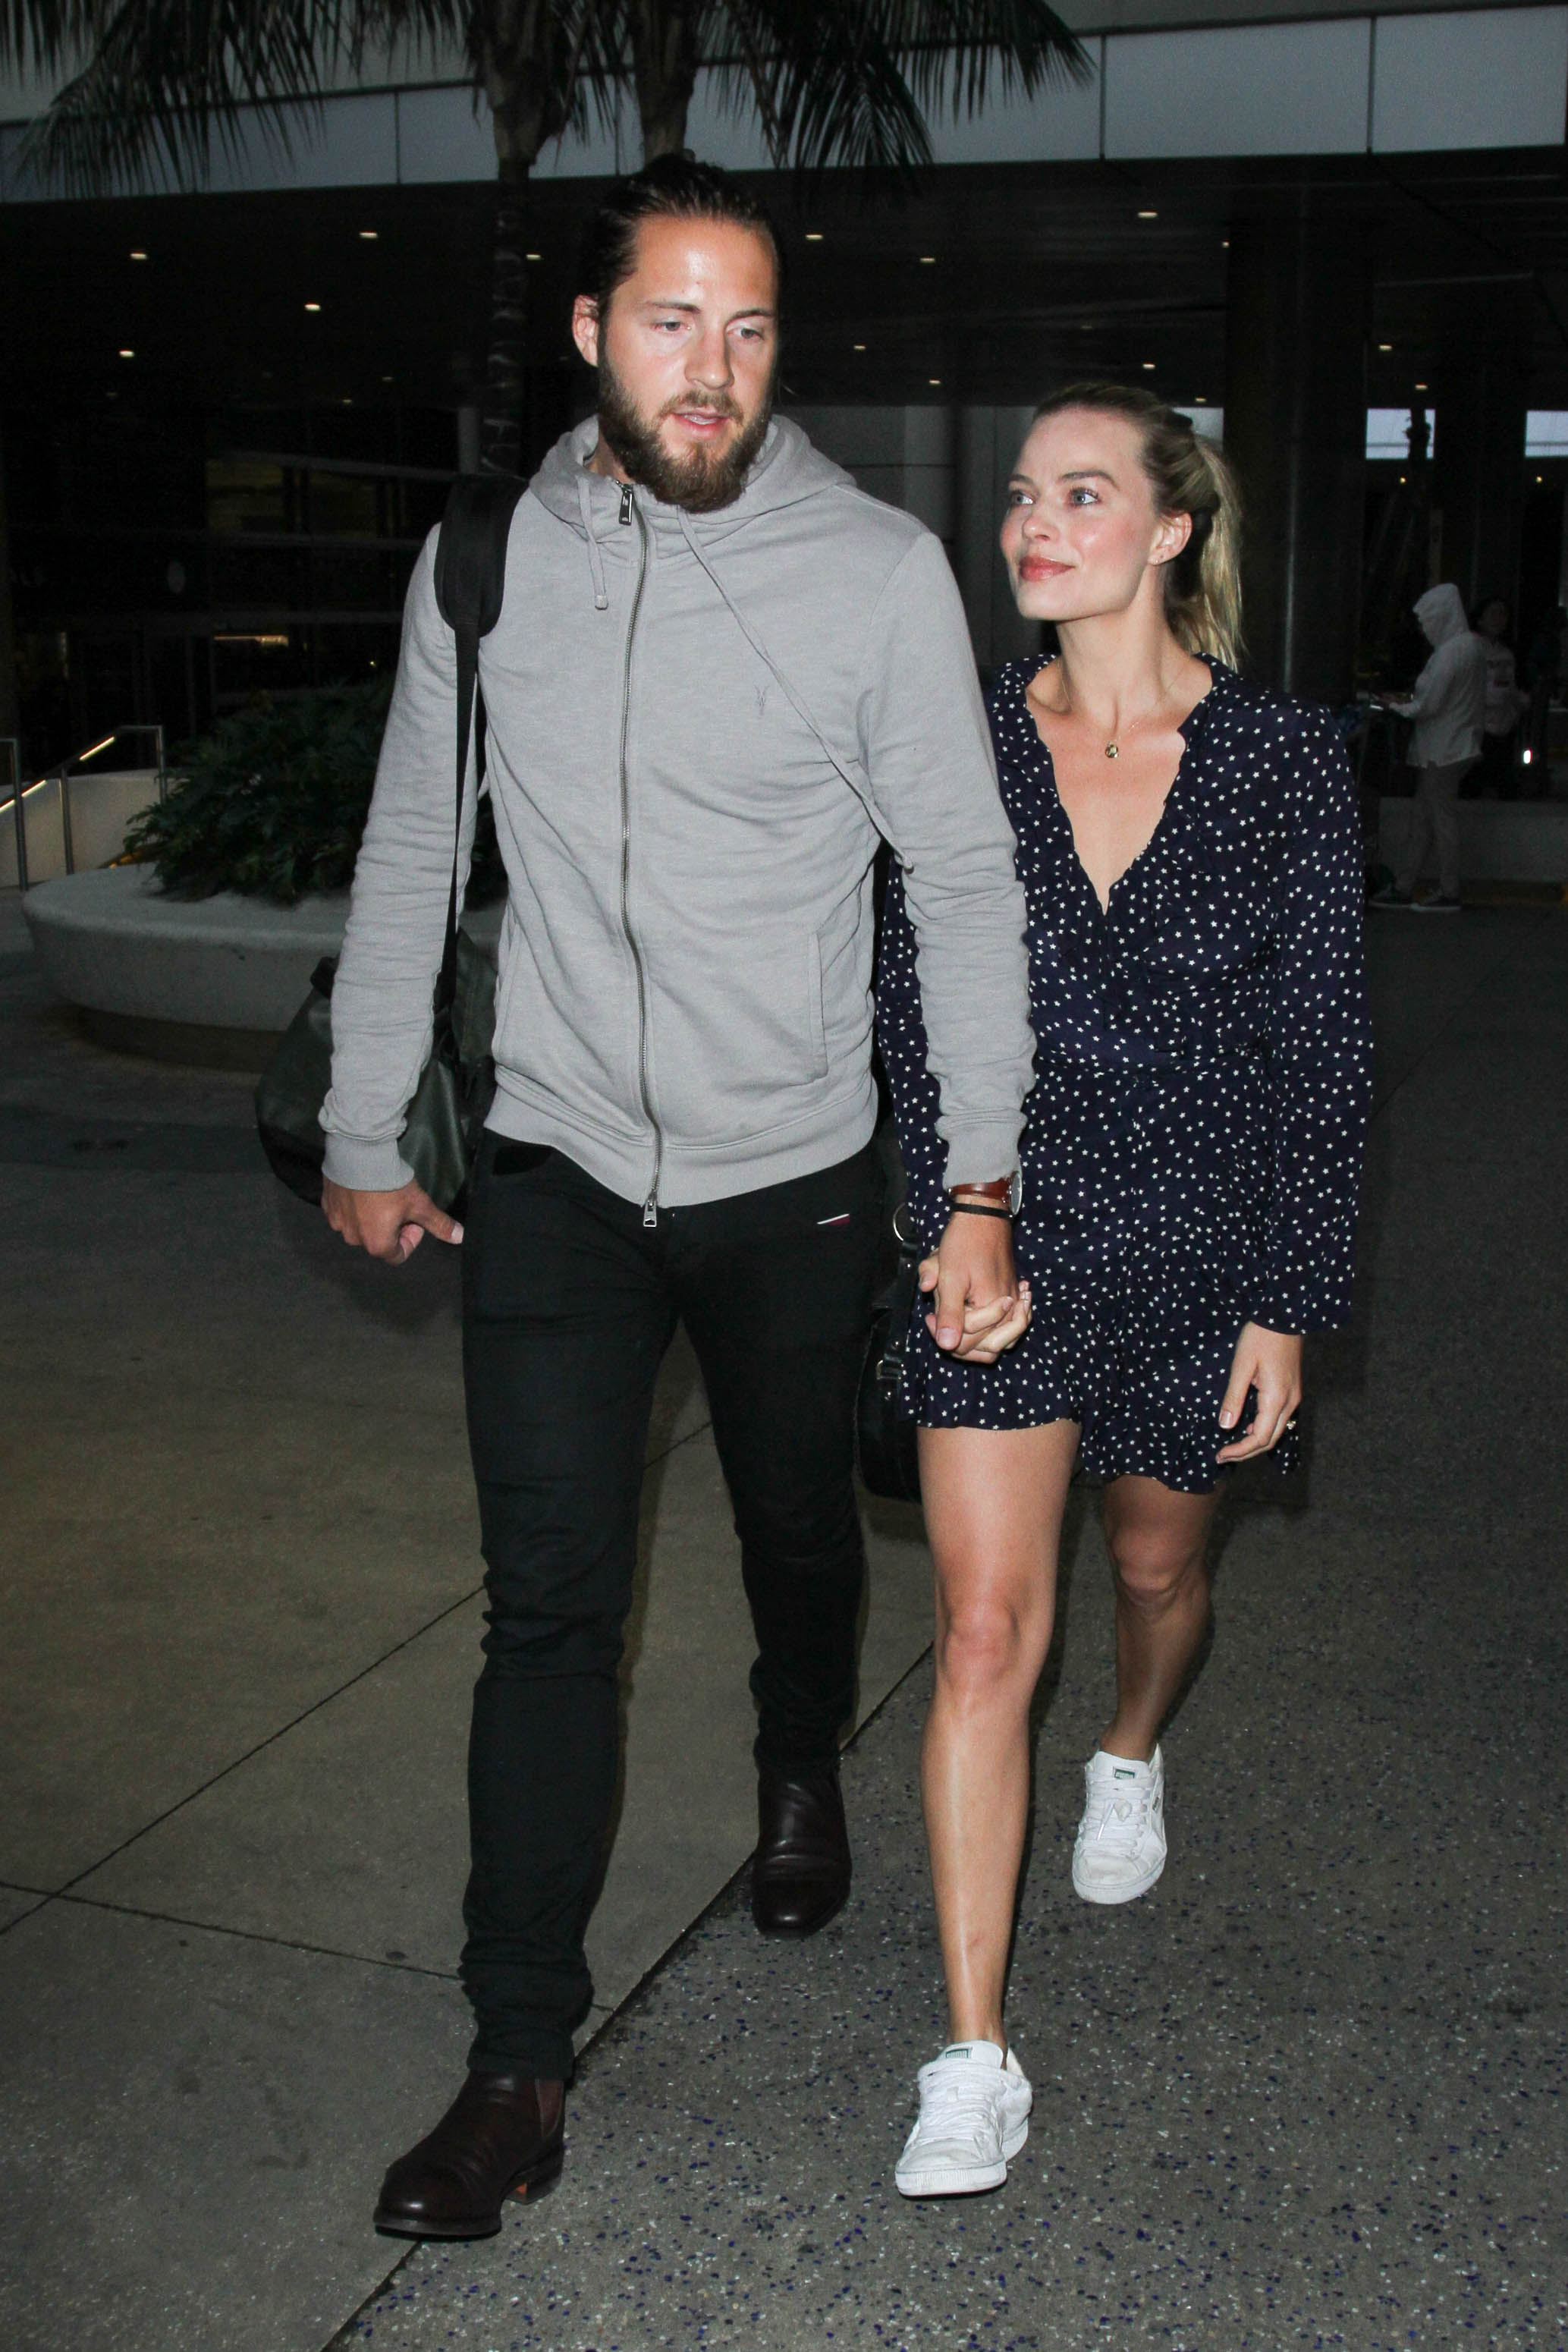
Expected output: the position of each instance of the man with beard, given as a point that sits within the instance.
(720, 673)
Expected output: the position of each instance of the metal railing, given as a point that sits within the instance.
(62, 776)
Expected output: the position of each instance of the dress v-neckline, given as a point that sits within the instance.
(1102, 905)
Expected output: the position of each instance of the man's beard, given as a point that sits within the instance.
(701, 481)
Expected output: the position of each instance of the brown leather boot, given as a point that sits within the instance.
(501, 2137)
(801, 1871)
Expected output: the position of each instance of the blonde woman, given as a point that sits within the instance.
(1190, 1162)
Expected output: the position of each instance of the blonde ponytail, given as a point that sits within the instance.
(1187, 475)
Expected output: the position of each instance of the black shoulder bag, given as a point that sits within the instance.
(885, 1451)
(446, 1116)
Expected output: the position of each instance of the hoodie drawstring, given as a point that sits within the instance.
(595, 560)
(854, 774)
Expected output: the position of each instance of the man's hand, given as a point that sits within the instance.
(390, 1225)
(980, 1308)
(1270, 1362)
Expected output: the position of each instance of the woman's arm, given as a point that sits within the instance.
(1319, 1040)
(987, 1330)
(916, 1096)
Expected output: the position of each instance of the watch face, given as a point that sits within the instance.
(1015, 1191)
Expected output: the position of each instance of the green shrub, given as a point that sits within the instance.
(274, 801)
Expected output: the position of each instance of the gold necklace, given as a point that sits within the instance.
(1113, 751)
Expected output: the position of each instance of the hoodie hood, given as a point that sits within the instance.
(1441, 613)
(786, 470)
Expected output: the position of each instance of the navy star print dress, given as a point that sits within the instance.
(1192, 1148)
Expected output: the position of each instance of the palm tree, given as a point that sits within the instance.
(844, 82)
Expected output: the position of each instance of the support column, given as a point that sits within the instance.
(1481, 396)
(1295, 428)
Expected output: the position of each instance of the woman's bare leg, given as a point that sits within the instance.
(1157, 1540)
(994, 1501)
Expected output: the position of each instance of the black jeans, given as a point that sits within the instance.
(568, 1305)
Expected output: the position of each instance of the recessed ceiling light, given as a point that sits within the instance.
(813, 236)
(928, 257)
(1199, 400)
(138, 256)
(126, 352)
(1225, 244)
(1420, 387)
(1386, 347)
(533, 257)
(1148, 367)
(1148, 216)
(387, 379)
(369, 236)
(348, 400)
(312, 305)
(860, 347)
(935, 379)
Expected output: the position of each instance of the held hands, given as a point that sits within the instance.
(980, 1307)
(1270, 1363)
(390, 1225)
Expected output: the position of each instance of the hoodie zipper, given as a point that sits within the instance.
(630, 512)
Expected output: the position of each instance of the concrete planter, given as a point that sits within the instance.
(210, 980)
(213, 981)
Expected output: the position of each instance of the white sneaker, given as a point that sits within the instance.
(973, 2117)
(1121, 1846)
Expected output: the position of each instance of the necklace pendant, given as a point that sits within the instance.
(1113, 751)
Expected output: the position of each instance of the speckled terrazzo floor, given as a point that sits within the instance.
(1310, 2092)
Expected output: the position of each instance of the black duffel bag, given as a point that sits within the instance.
(451, 1102)
(446, 1116)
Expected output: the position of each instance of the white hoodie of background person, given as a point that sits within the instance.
(1448, 704)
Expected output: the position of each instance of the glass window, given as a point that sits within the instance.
(345, 506)
(248, 494)
(1388, 433)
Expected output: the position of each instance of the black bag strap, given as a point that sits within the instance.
(900, 1295)
(470, 582)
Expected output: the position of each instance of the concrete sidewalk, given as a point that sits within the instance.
(240, 1554)
(1309, 2093)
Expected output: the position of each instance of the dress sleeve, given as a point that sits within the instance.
(1319, 1041)
(901, 1035)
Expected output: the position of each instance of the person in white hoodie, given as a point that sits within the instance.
(1448, 706)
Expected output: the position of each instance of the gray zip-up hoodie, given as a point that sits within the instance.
(698, 725)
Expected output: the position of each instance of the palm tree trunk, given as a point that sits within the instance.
(521, 49)
(506, 362)
(666, 41)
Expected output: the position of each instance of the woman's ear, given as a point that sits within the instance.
(1171, 535)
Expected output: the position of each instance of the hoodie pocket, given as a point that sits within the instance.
(737, 1029)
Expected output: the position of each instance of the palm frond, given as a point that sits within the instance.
(956, 51)
(163, 77)
(828, 86)
(167, 80)
(40, 36)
